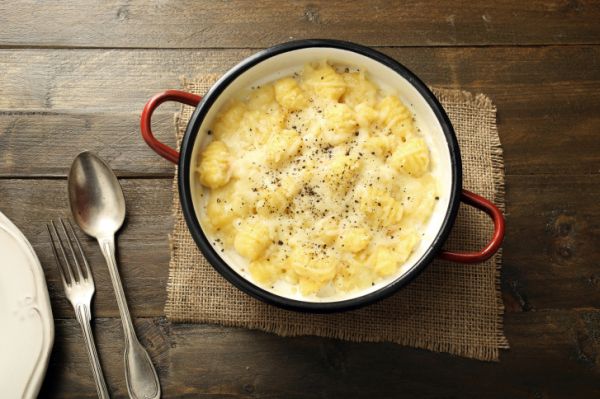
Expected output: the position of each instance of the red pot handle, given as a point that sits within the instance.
(161, 149)
(467, 197)
(490, 249)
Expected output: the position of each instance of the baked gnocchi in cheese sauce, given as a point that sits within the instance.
(319, 180)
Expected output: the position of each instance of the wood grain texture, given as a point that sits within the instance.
(555, 354)
(194, 24)
(54, 103)
(550, 257)
(75, 75)
(142, 245)
(43, 143)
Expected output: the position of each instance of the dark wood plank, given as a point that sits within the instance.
(143, 246)
(554, 354)
(43, 143)
(106, 80)
(551, 249)
(550, 252)
(197, 24)
(55, 103)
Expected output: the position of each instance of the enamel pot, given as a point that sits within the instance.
(282, 60)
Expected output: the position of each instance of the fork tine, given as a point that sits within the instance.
(63, 253)
(75, 264)
(56, 257)
(88, 271)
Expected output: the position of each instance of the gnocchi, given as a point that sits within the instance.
(214, 166)
(319, 180)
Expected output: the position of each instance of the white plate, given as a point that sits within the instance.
(26, 324)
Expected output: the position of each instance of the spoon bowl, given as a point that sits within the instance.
(95, 195)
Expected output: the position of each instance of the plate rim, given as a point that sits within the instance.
(40, 304)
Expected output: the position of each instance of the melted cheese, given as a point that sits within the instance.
(316, 189)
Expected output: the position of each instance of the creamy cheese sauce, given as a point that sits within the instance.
(320, 192)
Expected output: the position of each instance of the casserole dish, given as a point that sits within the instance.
(280, 61)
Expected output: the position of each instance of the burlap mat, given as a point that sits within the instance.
(450, 307)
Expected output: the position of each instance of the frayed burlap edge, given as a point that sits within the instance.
(497, 155)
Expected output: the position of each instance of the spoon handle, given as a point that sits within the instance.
(140, 374)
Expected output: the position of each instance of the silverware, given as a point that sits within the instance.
(98, 207)
(79, 288)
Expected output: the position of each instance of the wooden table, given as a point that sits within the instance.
(75, 77)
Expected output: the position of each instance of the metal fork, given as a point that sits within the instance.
(79, 288)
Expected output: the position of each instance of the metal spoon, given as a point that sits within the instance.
(98, 207)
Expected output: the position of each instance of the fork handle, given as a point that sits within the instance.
(83, 316)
